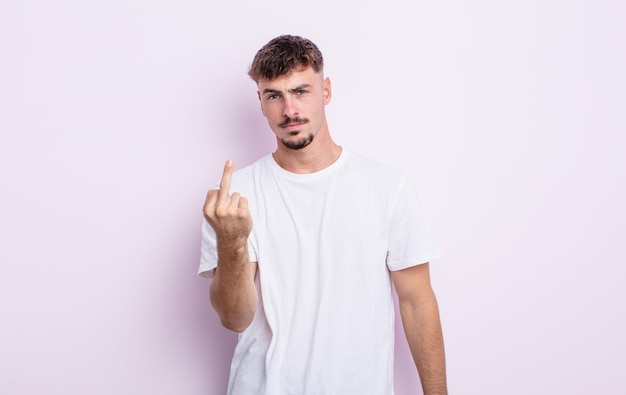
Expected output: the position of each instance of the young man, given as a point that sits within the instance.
(303, 247)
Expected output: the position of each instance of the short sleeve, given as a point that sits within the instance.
(411, 241)
(208, 251)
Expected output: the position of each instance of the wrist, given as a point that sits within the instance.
(232, 248)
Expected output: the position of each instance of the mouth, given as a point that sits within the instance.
(291, 124)
(293, 128)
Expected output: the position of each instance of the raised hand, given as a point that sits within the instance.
(228, 215)
(233, 293)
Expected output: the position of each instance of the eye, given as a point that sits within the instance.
(272, 97)
(302, 91)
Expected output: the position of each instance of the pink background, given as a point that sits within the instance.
(116, 116)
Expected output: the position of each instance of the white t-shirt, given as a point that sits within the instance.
(324, 243)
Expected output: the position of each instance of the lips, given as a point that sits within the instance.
(293, 125)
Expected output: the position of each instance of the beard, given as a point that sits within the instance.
(298, 144)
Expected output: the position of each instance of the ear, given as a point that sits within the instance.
(327, 90)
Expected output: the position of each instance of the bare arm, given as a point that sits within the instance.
(232, 291)
(422, 326)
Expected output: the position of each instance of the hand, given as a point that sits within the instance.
(229, 217)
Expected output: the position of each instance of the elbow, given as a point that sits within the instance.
(235, 325)
(233, 318)
(236, 313)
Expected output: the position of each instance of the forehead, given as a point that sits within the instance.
(292, 80)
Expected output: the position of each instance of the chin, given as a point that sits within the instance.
(298, 144)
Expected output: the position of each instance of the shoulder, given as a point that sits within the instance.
(362, 166)
(253, 169)
(245, 177)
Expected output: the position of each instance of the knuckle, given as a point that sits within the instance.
(207, 208)
(208, 214)
(221, 212)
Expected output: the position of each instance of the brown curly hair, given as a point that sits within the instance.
(283, 55)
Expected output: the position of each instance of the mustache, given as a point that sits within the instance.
(290, 121)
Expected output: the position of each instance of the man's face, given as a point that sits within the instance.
(294, 106)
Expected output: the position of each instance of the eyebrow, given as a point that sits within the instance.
(297, 88)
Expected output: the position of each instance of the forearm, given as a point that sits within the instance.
(232, 291)
(422, 327)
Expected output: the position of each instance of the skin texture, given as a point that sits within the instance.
(232, 291)
(294, 106)
(420, 319)
(301, 95)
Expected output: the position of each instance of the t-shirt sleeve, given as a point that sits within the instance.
(411, 241)
(208, 251)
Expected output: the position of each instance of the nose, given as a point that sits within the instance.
(290, 109)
